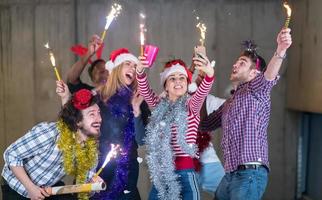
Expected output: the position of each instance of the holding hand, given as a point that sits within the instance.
(37, 193)
(202, 63)
(94, 44)
(142, 64)
(62, 91)
(284, 41)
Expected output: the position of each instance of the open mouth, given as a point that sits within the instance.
(234, 71)
(178, 87)
(129, 76)
(96, 125)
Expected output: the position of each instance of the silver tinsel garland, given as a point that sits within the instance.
(160, 158)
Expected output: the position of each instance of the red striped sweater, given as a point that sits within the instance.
(194, 103)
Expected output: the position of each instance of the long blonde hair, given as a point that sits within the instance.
(114, 83)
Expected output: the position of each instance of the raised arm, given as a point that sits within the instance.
(62, 91)
(197, 99)
(284, 41)
(150, 97)
(76, 70)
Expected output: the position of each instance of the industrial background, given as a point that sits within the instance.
(27, 81)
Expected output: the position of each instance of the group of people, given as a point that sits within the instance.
(121, 108)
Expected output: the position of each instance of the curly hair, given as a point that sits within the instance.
(71, 116)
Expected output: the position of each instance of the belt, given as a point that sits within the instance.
(251, 166)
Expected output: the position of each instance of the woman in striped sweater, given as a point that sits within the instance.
(172, 130)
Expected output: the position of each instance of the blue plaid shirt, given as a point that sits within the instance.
(38, 153)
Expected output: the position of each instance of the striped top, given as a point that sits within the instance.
(38, 153)
(194, 104)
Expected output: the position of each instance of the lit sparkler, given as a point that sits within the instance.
(289, 13)
(115, 11)
(52, 60)
(111, 154)
(142, 30)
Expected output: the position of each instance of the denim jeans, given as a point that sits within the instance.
(188, 181)
(247, 184)
(210, 176)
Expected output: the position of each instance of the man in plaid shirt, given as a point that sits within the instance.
(244, 118)
(34, 161)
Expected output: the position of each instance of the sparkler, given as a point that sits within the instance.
(52, 60)
(111, 154)
(289, 13)
(142, 30)
(202, 27)
(115, 11)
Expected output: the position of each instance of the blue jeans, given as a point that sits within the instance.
(210, 176)
(188, 181)
(247, 184)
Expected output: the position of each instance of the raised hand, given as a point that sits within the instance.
(94, 44)
(142, 64)
(284, 40)
(62, 91)
(202, 63)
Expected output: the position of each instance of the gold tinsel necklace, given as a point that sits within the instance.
(78, 158)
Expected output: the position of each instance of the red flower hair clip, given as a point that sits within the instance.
(82, 99)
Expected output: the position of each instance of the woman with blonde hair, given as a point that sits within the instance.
(119, 126)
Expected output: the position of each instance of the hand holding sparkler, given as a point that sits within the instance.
(52, 60)
(111, 154)
(115, 11)
(94, 45)
(289, 13)
(284, 41)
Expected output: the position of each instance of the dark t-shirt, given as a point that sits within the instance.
(80, 85)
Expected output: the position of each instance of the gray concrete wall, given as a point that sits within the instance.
(27, 82)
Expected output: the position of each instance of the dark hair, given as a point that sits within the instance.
(92, 66)
(71, 116)
(253, 57)
(251, 52)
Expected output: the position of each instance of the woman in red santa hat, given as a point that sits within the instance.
(119, 127)
(172, 130)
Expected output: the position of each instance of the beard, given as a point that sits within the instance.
(87, 131)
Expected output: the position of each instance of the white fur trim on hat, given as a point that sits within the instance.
(192, 87)
(110, 65)
(170, 70)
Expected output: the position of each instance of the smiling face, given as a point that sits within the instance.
(99, 74)
(243, 70)
(90, 125)
(128, 72)
(176, 85)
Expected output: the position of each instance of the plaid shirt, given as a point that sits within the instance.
(38, 153)
(244, 118)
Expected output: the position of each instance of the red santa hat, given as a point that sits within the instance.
(175, 66)
(119, 56)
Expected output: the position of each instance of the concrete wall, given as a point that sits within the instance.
(27, 82)
(305, 82)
